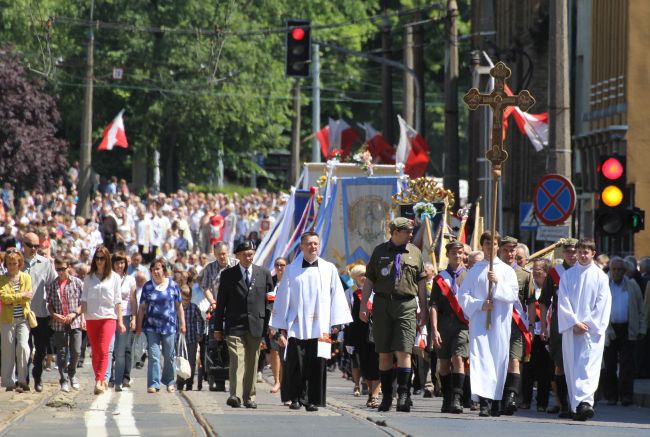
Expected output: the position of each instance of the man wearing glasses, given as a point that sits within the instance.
(42, 273)
(396, 274)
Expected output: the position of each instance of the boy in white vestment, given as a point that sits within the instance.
(584, 306)
(489, 348)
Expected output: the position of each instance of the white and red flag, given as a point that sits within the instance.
(114, 134)
(412, 150)
(534, 126)
(336, 136)
(378, 147)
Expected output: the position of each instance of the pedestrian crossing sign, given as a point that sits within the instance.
(527, 219)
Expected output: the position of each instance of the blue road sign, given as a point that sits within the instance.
(527, 219)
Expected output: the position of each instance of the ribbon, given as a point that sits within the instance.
(451, 298)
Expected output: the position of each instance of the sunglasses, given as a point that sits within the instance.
(31, 246)
(100, 258)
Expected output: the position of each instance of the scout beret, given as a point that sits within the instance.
(245, 245)
(401, 223)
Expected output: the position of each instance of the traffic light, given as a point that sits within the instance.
(298, 48)
(612, 214)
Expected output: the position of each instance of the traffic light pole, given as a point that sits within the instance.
(384, 61)
(315, 102)
(295, 133)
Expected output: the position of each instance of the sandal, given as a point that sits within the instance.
(373, 402)
(357, 391)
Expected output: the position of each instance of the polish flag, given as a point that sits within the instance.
(114, 134)
(337, 135)
(377, 145)
(534, 126)
(412, 150)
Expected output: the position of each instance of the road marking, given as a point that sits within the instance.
(95, 417)
(124, 419)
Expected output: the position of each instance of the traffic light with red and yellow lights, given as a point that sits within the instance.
(616, 213)
(298, 48)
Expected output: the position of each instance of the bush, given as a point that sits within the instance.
(226, 189)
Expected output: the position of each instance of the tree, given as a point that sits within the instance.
(31, 155)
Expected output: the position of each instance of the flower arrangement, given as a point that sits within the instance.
(423, 210)
(336, 155)
(364, 161)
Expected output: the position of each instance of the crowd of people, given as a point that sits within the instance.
(146, 274)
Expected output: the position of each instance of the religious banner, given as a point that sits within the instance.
(360, 210)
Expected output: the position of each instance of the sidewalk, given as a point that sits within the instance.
(642, 392)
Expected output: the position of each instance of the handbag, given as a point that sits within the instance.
(31, 319)
(181, 363)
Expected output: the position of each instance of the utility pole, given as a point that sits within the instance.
(418, 67)
(559, 136)
(315, 102)
(295, 134)
(409, 115)
(387, 116)
(452, 162)
(85, 164)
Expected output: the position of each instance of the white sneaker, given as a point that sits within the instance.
(259, 377)
(65, 387)
(171, 388)
(75, 383)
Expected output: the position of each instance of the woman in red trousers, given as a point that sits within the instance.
(101, 303)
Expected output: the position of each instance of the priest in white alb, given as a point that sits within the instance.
(489, 348)
(584, 306)
(310, 301)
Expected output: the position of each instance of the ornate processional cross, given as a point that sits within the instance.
(499, 101)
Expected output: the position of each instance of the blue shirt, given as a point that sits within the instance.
(161, 307)
(620, 302)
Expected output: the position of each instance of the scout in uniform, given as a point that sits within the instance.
(449, 329)
(395, 272)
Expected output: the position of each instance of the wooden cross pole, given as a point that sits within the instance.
(499, 101)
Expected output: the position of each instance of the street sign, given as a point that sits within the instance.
(527, 219)
(552, 233)
(554, 199)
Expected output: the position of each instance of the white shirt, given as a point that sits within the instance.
(127, 283)
(620, 302)
(101, 296)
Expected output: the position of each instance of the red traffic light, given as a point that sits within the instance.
(298, 34)
(612, 169)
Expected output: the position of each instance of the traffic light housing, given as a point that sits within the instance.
(612, 216)
(298, 48)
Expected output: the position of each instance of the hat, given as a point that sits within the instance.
(245, 245)
(400, 223)
(506, 239)
(454, 245)
(570, 242)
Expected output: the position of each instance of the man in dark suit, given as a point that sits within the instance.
(241, 301)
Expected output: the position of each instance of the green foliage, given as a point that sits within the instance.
(226, 189)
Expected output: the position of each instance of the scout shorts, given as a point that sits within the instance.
(455, 341)
(516, 343)
(394, 324)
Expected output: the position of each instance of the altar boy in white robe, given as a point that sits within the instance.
(489, 348)
(584, 306)
(310, 301)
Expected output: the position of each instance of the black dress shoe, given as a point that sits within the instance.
(38, 386)
(626, 402)
(428, 393)
(553, 410)
(295, 405)
(584, 412)
(311, 407)
(250, 404)
(565, 413)
(234, 402)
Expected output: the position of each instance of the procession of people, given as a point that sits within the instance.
(484, 333)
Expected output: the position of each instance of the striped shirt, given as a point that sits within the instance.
(18, 308)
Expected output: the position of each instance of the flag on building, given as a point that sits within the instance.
(412, 150)
(114, 134)
(337, 135)
(378, 147)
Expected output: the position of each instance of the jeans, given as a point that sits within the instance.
(41, 336)
(15, 351)
(154, 340)
(67, 342)
(111, 349)
(122, 347)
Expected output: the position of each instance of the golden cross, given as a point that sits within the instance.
(499, 101)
